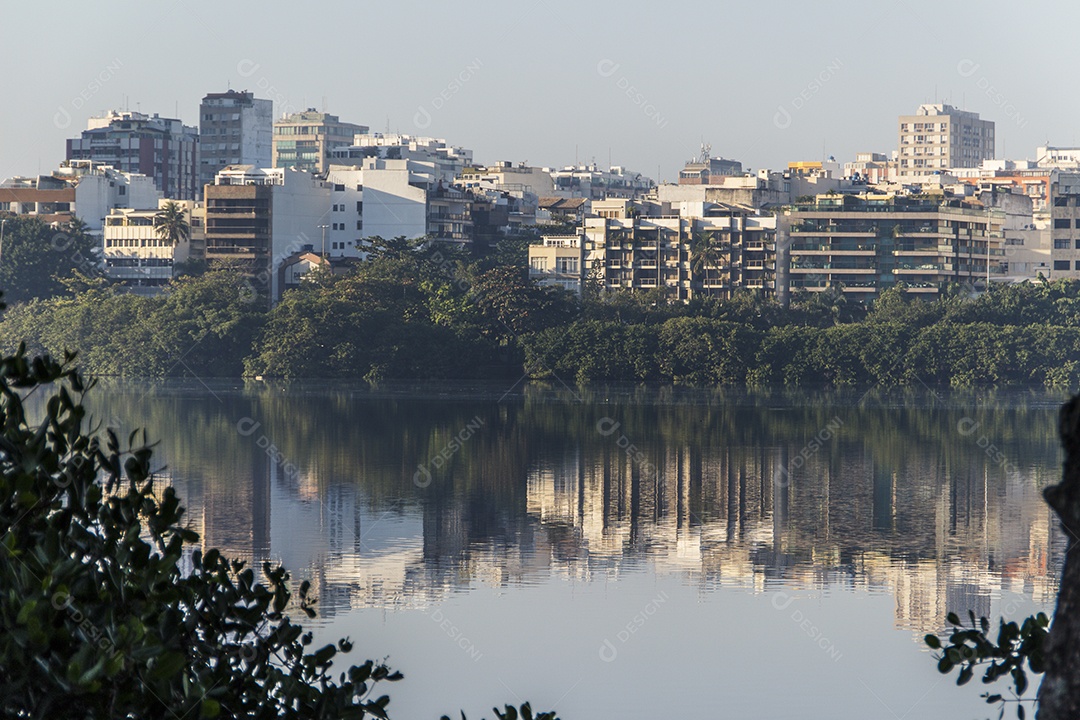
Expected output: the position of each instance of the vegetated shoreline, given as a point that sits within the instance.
(402, 316)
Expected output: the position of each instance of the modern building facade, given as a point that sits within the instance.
(163, 149)
(135, 254)
(867, 245)
(938, 137)
(303, 140)
(234, 129)
(258, 217)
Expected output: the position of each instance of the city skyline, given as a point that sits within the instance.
(549, 83)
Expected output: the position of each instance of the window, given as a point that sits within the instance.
(1078, 264)
(359, 224)
(540, 263)
(1061, 264)
(1062, 224)
(1061, 243)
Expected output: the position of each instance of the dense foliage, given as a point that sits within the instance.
(38, 261)
(108, 612)
(416, 311)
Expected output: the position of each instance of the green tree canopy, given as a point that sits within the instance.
(35, 258)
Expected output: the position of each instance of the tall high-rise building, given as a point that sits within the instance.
(303, 140)
(938, 137)
(234, 129)
(162, 148)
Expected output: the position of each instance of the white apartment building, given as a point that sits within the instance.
(509, 177)
(393, 198)
(938, 137)
(590, 182)
(448, 160)
(81, 189)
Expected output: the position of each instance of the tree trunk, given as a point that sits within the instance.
(1059, 693)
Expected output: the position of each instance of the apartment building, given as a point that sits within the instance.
(392, 198)
(163, 149)
(868, 244)
(258, 217)
(134, 253)
(939, 136)
(870, 168)
(234, 129)
(80, 189)
(708, 170)
(303, 140)
(448, 160)
(559, 261)
(627, 249)
(590, 182)
(1065, 226)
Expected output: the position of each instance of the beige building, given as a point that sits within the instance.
(630, 250)
(559, 261)
(938, 137)
(303, 140)
(135, 255)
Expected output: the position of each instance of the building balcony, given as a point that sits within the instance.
(828, 250)
(924, 270)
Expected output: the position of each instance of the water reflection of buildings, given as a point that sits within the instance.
(937, 538)
(939, 527)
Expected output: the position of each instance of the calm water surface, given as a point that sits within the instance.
(628, 553)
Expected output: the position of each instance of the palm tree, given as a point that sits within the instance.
(170, 224)
(707, 251)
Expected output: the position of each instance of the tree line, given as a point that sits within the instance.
(431, 311)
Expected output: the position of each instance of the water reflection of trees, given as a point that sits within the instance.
(900, 495)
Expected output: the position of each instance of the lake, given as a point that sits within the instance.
(628, 552)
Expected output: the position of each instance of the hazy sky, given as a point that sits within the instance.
(548, 81)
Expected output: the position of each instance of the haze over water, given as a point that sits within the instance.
(628, 552)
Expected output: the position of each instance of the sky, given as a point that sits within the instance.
(551, 82)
